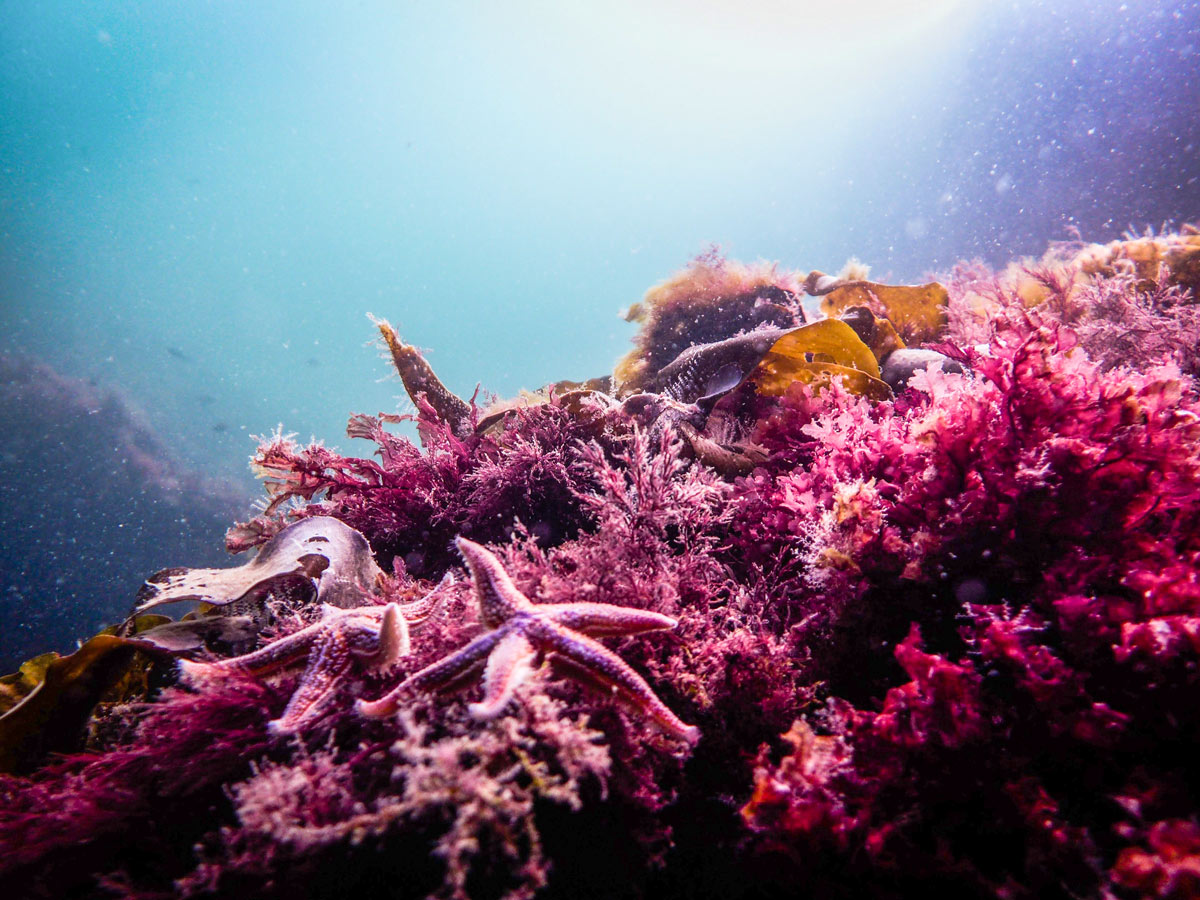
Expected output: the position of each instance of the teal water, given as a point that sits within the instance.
(201, 202)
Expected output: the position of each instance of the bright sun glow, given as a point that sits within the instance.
(775, 34)
(677, 66)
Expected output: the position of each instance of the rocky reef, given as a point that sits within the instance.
(91, 501)
(831, 589)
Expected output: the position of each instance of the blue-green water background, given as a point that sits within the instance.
(200, 202)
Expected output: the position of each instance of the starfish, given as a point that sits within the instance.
(520, 630)
(377, 636)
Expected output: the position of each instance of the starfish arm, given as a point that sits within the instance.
(596, 663)
(327, 666)
(196, 673)
(273, 656)
(445, 671)
(392, 640)
(498, 598)
(416, 612)
(605, 619)
(509, 664)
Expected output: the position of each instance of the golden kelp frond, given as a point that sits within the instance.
(29, 676)
(52, 716)
(829, 340)
(814, 354)
(876, 332)
(918, 312)
(777, 373)
(886, 339)
(16, 687)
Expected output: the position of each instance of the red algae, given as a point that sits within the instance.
(945, 640)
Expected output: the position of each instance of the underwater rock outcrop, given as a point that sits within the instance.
(898, 600)
(91, 500)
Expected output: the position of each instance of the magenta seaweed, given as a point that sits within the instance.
(947, 642)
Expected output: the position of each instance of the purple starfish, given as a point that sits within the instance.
(375, 636)
(519, 630)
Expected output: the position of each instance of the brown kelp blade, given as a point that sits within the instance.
(814, 354)
(875, 331)
(419, 380)
(51, 717)
(917, 311)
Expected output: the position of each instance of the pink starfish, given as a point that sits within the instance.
(520, 630)
(376, 636)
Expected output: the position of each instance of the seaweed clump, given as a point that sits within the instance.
(712, 299)
(938, 633)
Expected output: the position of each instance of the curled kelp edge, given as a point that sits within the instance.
(49, 700)
(321, 549)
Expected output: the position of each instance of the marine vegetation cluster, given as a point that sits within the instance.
(832, 588)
